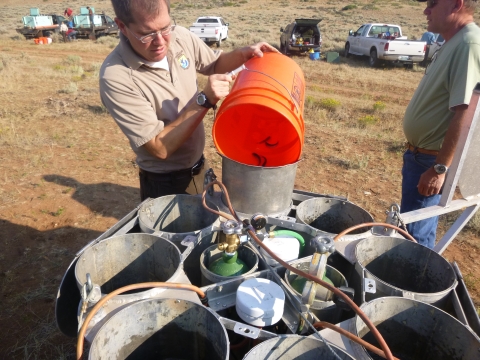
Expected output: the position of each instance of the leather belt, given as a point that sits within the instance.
(415, 149)
(179, 174)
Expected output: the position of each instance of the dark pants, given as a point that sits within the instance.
(189, 181)
(414, 165)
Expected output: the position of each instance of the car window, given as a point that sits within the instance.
(210, 21)
(360, 30)
(109, 19)
(440, 39)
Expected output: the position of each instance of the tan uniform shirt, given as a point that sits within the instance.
(142, 100)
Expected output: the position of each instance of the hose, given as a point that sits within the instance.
(358, 340)
(326, 285)
(292, 234)
(401, 231)
(98, 305)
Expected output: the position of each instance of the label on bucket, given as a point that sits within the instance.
(297, 89)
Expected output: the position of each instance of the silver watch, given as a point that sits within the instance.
(440, 168)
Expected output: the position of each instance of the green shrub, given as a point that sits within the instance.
(367, 120)
(379, 106)
(70, 89)
(349, 7)
(329, 104)
(73, 59)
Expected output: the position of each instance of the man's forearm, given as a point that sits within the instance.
(176, 133)
(227, 62)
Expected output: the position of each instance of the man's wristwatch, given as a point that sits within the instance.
(203, 101)
(440, 168)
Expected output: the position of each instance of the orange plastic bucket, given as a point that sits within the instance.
(36, 41)
(260, 122)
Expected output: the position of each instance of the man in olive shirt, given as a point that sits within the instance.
(149, 86)
(435, 115)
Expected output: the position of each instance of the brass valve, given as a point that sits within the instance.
(229, 237)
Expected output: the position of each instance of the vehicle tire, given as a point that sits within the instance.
(347, 50)
(282, 48)
(373, 60)
(219, 42)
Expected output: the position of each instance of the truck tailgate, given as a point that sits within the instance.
(406, 47)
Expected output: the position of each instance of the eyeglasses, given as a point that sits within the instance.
(150, 37)
(431, 3)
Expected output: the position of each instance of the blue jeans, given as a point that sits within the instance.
(414, 165)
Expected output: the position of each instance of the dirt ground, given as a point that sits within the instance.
(67, 174)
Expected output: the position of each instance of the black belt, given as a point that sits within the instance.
(179, 174)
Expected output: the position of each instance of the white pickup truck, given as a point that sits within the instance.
(384, 42)
(210, 29)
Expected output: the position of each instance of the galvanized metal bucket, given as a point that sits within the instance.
(245, 253)
(400, 267)
(176, 216)
(325, 310)
(256, 189)
(332, 216)
(162, 329)
(415, 331)
(287, 347)
(129, 259)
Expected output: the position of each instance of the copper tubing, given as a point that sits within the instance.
(83, 330)
(326, 285)
(358, 340)
(401, 231)
(220, 213)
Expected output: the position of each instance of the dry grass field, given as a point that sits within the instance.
(67, 173)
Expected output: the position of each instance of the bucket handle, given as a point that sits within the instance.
(271, 77)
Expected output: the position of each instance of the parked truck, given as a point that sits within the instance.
(384, 42)
(37, 25)
(103, 24)
(301, 35)
(210, 29)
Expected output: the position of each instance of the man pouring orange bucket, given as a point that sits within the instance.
(260, 122)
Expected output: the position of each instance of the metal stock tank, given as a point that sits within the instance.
(401, 267)
(331, 216)
(286, 347)
(254, 189)
(162, 329)
(416, 331)
(176, 216)
(129, 259)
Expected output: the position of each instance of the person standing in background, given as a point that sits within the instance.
(90, 15)
(429, 38)
(438, 110)
(63, 31)
(68, 13)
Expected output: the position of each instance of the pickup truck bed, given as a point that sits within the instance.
(384, 42)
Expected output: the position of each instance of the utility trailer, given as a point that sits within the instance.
(37, 25)
(102, 25)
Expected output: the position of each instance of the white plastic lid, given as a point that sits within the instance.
(286, 248)
(260, 302)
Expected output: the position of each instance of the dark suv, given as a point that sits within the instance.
(301, 36)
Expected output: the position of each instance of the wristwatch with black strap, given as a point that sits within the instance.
(440, 168)
(203, 101)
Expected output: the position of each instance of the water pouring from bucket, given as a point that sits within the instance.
(260, 122)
